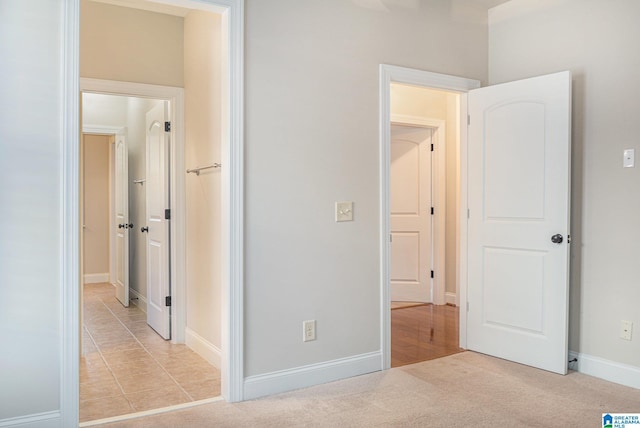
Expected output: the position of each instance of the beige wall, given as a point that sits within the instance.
(433, 104)
(131, 45)
(96, 203)
(598, 41)
(202, 147)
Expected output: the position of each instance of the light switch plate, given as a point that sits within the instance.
(344, 211)
(629, 158)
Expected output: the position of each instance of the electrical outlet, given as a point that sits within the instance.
(308, 330)
(625, 329)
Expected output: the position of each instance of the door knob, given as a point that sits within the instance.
(128, 226)
(144, 229)
(556, 239)
(120, 226)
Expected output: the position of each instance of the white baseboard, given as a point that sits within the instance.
(203, 347)
(138, 299)
(612, 371)
(96, 278)
(450, 298)
(40, 420)
(313, 374)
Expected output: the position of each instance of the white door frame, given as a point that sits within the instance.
(232, 190)
(438, 193)
(394, 74)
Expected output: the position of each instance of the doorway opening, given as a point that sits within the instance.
(232, 138)
(506, 208)
(424, 181)
(433, 101)
(183, 267)
(120, 342)
(128, 363)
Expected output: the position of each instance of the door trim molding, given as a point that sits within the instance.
(103, 130)
(438, 188)
(70, 217)
(395, 74)
(233, 196)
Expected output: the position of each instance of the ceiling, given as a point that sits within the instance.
(162, 6)
(167, 9)
(488, 3)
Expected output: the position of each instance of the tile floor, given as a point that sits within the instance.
(127, 367)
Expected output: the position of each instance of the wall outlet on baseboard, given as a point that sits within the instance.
(625, 329)
(308, 330)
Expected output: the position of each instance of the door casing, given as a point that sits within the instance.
(232, 12)
(394, 74)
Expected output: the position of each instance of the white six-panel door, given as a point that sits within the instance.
(121, 228)
(519, 206)
(157, 195)
(410, 214)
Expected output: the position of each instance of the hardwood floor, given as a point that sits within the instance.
(127, 367)
(422, 333)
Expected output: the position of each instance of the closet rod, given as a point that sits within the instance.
(197, 170)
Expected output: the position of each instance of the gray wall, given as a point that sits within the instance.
(311, 140)
(598, 41)
(30, 206)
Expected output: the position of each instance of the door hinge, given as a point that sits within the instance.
(390, 238)
(167, 301)
(167, 214)
(467, 306)
(167, 127)
(431, 146)
(468, 119)
(431, 274)
(432, 211)
(468, 213)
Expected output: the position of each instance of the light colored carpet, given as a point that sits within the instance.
(462, 390)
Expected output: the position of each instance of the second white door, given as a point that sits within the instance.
(158, 281)
(411, 226)
(121, 227)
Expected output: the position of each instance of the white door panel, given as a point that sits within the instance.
(519, 182)
(157, 200)
(410, 213)
(121, 228)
